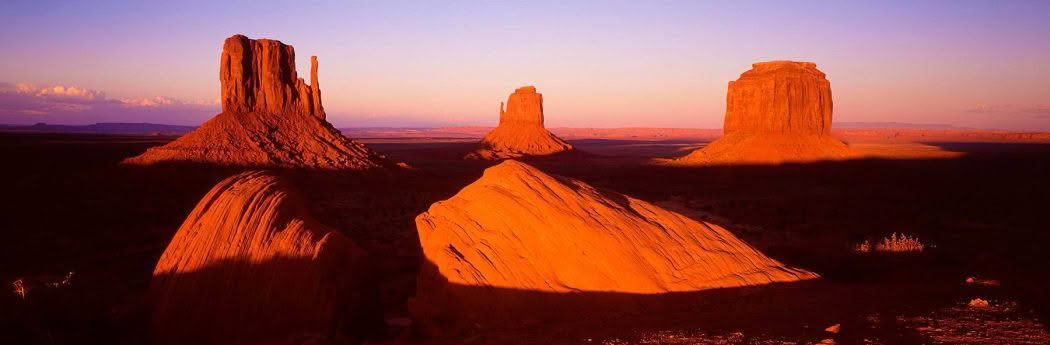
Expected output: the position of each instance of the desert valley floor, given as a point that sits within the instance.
(979, 206)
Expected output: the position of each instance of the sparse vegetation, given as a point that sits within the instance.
(895, 243)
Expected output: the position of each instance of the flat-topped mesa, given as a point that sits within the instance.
(524, 108)
(259, 76)
(520, 132)
(779, 111)
(779, 97)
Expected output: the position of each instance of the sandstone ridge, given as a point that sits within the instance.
(250, 262)
(270, 118)
(521, 130)
(519, 229)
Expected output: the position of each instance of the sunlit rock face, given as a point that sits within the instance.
(250, 262)
(520, 131)
(518, 238)
(259, 76)
(270, 118)
(777, 112)
(779, 97)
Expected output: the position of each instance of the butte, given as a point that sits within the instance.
(777, 112)
(250, 264)
(270, 118)
(519, 244)
(520, 132)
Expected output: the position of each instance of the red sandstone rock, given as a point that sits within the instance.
(520, 132)
(270, 118)
(259, 76)
(251, 263)
(781, 97)
(517, 236)
(779, 111)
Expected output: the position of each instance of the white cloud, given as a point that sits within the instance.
(28, 103)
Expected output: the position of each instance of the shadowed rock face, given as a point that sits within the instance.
(259, 75)
(520, 132)
(270, 118)
(779, 111)
(250, 262)
(518, 228)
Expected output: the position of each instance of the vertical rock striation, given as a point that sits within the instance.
(779, 111)
(259, 76)
(520, 131)
(270, 117)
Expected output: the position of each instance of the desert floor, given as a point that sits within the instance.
(979, 206)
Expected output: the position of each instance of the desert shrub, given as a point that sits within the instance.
(894, 243)
(900, 243)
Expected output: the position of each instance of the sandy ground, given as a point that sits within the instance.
(978, 203)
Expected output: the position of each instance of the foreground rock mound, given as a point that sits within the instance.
(519, 242)
(250, 263)
(270, 117)
(520, 132)
(779, 111)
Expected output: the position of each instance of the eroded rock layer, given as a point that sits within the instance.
(777, 112)
(259, 76)
(520, 131)
(518, 237)
(250, 262)
(270, 118)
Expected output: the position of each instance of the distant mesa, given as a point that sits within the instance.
(251, 263)
(270, 117)
(520, 132)
(777, 112)
(496, 248)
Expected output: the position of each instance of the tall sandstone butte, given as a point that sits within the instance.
(251, 263)
(779, 111)
(270, 117)
(519, 244)
(520, 131)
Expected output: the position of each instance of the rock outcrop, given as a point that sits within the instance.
(520, 131)
(518, 239)
(270, 117)
(251, 263)
(779, 111)
(259, 76)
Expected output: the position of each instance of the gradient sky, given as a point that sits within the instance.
(599, 64)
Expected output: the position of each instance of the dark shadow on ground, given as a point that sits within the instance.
(70, 207)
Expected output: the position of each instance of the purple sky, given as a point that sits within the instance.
(598, 64)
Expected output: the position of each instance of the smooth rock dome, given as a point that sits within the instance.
(517, 234)
(249, 263)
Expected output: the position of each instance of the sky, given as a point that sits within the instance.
(982, 64)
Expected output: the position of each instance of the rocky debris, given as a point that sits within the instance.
(518, 238)
(521, 131)
(270, 118)
(779, 111)
(250, 262)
